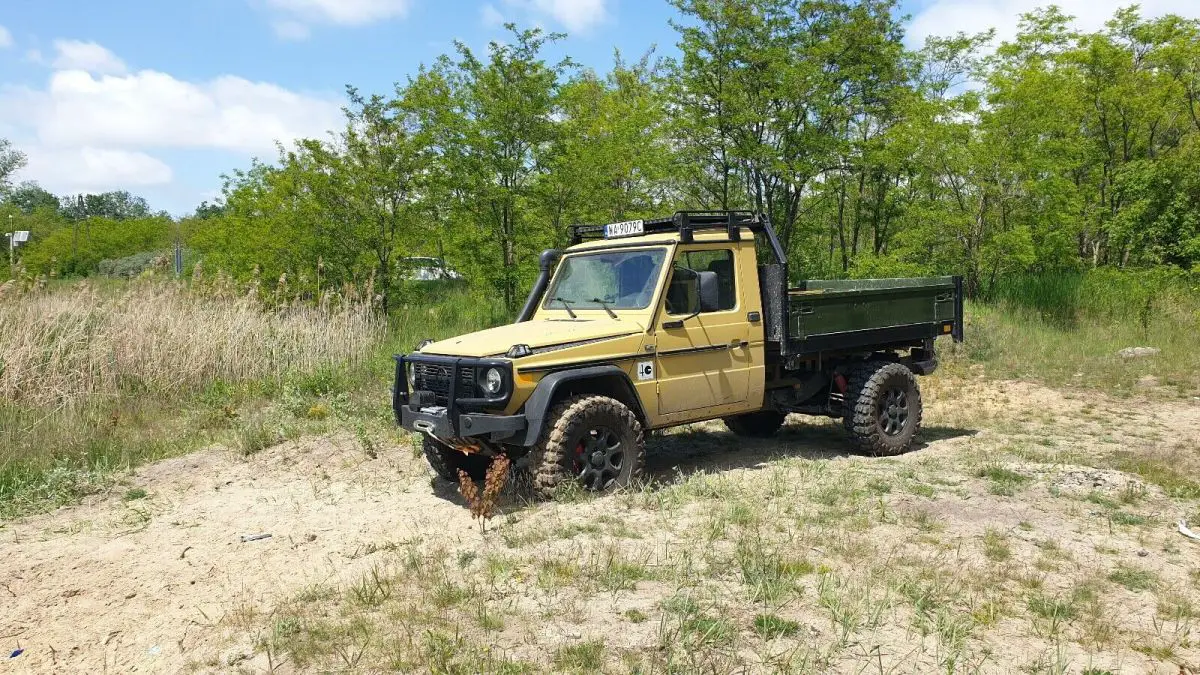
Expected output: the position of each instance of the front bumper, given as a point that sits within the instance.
(459, 418)
(436, 421)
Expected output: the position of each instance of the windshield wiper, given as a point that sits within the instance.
(566, 306)
(605, 306)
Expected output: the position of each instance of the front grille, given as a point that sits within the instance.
(436, 378)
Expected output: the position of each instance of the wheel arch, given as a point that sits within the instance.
(606, 380)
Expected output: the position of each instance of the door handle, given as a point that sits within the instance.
(738, 342)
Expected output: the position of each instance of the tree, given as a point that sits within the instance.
(368, 185)
(30, 196)
(268, 227)
(495, 142)
(611, 159)
(12, 160)
(117, 205)
(1057, 150)
(208, 210)
(769, 90)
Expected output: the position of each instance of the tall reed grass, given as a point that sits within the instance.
(99, 376)
(63, 348)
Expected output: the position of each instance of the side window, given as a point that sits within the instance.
(681, 287)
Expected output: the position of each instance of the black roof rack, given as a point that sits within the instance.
(684, 222)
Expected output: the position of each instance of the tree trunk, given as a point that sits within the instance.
(841, 222)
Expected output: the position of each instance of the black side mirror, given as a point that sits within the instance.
(710, 296)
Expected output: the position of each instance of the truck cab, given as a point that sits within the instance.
(649, 324)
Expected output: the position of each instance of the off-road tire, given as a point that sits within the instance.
(555, 461)
(446, 461)
(760, 424)
(870, 398)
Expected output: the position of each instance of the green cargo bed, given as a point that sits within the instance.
(825, 315)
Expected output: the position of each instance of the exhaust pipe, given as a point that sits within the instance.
(549, 257)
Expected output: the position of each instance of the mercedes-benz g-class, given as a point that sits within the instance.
(649, 324)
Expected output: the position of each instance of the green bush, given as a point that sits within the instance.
(133, 265)
(78, 249)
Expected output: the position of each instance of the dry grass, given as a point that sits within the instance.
(95, 378)
(67, 347)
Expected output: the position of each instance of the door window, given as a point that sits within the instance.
(682, 285)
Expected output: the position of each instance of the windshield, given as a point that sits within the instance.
(616, 279)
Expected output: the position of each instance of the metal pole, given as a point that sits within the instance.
(12, 237)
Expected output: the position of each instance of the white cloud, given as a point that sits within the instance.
(298, 15)
(86, 56)
(94, 131)
(152, 109)
(88, 169)
(490, 16)
(6, 38)
(575, 15)
(946, 17)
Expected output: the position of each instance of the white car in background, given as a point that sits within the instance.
(426, 269)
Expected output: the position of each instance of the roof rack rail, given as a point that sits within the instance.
(685, 222)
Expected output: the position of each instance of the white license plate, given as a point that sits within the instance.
(628, 228)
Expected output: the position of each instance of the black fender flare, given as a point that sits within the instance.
(537, 407)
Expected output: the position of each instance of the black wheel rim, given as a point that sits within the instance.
(893, 412)
(599, 458)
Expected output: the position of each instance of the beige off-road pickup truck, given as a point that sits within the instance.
(649, 324)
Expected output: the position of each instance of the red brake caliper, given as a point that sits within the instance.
(580, 460)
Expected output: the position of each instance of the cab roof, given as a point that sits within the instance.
(650, 239)
(684, 224)
(684, 227)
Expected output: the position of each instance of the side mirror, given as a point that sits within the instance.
(710, 296)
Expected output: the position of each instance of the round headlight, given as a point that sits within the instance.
(493, 381)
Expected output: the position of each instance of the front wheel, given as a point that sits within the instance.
(883, 408)
(594, 441)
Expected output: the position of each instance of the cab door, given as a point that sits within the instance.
(704, 360)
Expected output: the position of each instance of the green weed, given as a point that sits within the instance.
(771, 626)
(1133, 578)
(586, 657)
(1003, 481)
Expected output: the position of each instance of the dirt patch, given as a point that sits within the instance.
(158, 582)
(1000, 544)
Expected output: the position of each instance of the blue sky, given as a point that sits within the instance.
(160, 97)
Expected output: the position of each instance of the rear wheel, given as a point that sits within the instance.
(761, 424)
(446, 461)
(883, 408)
(594, 441)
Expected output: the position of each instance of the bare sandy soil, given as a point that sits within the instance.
(151, 584)
(164, 582)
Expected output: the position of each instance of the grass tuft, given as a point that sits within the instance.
(586, 657)
(1133, 578)
(771, 626)
(1003, 481)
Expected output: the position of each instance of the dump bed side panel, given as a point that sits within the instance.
(846, 314)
